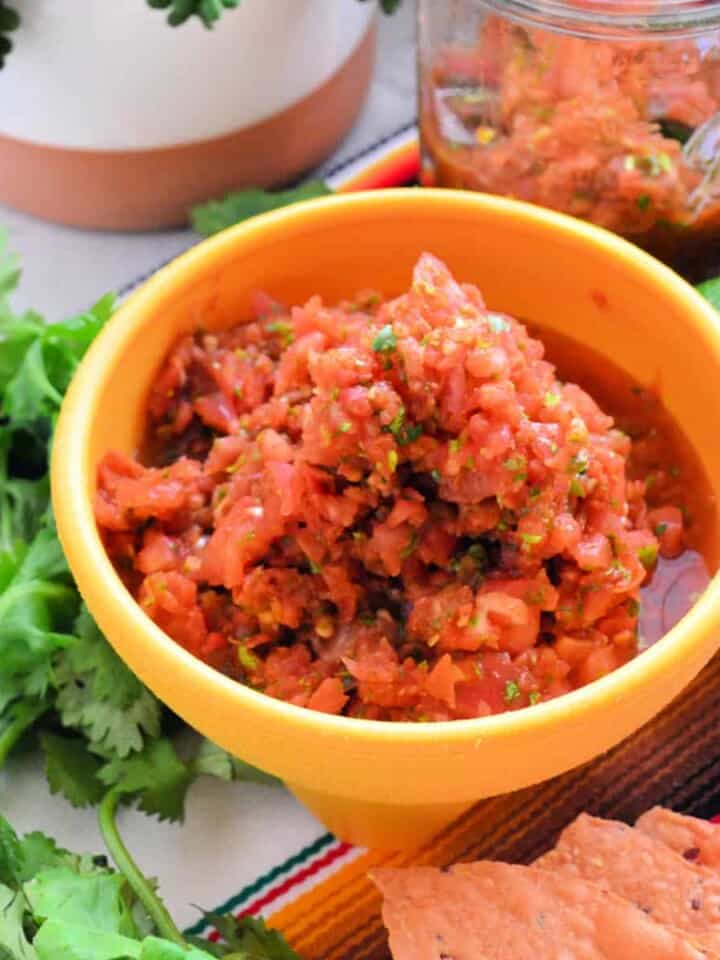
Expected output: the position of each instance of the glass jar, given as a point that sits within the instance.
(609, 111)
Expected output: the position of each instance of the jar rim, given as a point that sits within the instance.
(615, 20)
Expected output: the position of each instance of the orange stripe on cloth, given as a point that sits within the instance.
(392, 169)
(675, 761)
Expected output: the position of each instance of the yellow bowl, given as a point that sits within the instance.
(393, 784)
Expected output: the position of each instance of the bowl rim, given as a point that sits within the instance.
(79, 535)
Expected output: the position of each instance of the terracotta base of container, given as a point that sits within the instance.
(149, 189)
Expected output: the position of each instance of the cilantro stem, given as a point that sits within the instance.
(24, 715)
(156, 909)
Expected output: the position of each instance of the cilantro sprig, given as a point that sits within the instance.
(207, 11)
(58, 905)
(61, 684)
(217, 215)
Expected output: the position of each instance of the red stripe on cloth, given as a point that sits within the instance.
(292, 881)
(397, 168)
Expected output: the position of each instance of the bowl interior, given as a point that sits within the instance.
(558, 273)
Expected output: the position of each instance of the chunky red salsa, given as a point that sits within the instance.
(624, 133)
(389, 509)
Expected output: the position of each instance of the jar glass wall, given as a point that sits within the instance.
(608, 111)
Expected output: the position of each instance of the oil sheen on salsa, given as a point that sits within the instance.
(402, 510)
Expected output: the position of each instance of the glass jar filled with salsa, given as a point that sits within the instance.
(608, 111)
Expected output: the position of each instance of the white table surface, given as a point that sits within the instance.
(66, 269)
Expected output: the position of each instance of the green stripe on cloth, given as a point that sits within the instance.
(302, 856)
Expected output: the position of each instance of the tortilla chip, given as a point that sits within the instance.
(644, 871)
(697, 841)
(498, 911)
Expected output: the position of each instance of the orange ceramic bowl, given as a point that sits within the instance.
(393, 784)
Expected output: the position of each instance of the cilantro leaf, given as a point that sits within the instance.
(389, 6)
(14, 944)
(30, 395)
(405, 433)
(9, 21)
(251, 937)
(180, 11)
(36, 388)
(39, 851)
(44, 560)
(156, 774)
(95, 899)
(11, 556)
(213, 761)
(98, 694)
(710, 289)
(210, 218)
(17, 333)
(23, 503)
(71, 769)
(11, 854)
(9, 271)
(153, 948)
(16, 718)
(385, 340)
(37, 607)
(61, 940)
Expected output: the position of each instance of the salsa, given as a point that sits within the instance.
(624, 133)
(396, 509)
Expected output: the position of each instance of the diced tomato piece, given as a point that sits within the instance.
(442, 679)
(667, 525)
(328, 697)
